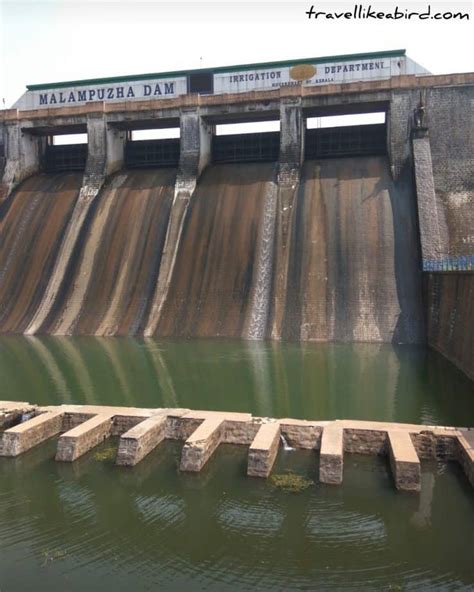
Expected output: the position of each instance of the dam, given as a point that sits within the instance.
(334, 234)
(354, 234)
(248, 357)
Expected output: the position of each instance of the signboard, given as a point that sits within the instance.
(165, 88)
(235, 80)
(314, 74)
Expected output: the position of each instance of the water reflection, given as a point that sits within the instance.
(323, 381)
(171, 531)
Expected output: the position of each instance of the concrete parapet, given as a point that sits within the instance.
(84, 437)
(24, 436)
(263, 450)
(201, 444)
(135, 444)
(404, 461)
(332, 455)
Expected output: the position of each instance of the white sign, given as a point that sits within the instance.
(314, 74)
(307, 74)
(164, 88)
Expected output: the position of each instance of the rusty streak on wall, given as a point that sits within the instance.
(32, 224)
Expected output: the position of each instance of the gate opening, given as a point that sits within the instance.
(65, 152)
(256, 141)
(362, 134)
(158, 148)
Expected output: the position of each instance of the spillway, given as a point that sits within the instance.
(32, 224)
(109, 290)
(211, 288)
(353, 255)
(354, 261)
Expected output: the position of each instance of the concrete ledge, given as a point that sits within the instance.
(84, 437)
(466, 454)
(404, 461)
(135, 444)
(201, 444)
(26, 435)
(300, 433)
(11, 413)
(332, 455)
(87, 425)
(263, 450)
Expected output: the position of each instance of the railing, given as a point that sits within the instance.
(152, 153)
(258, 147)
(356, 140)
(69, 157)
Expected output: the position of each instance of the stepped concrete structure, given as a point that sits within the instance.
(304, 260)
(81, 428)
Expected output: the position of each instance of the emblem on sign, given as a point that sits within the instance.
(303, 72)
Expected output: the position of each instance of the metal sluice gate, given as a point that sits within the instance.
(354, 140)
(68, 157)
(152, 153)
(257, 147)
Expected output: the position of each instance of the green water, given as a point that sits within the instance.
(94, 526)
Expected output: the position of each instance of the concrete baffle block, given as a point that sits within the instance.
(24, 436)
(140, 440)
(404, 461)
(331, 462)
(84, 437)
(263, 450)
(201, 444)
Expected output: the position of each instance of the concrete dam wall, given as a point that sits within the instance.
(216, 272)
(354, 265)
(301, 234)
(450, 304)
(32, 225)
(352, 273)
(110, 284)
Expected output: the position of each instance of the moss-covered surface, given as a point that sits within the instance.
(290, 482)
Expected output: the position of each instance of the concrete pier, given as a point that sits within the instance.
(141, 430)
(200, 446)
(404, 461)
(84, 437)
(263, 450)
(332, 455)
(139, 441)
(466, 454)
(26, 435)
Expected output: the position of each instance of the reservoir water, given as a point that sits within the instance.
(94, 526)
